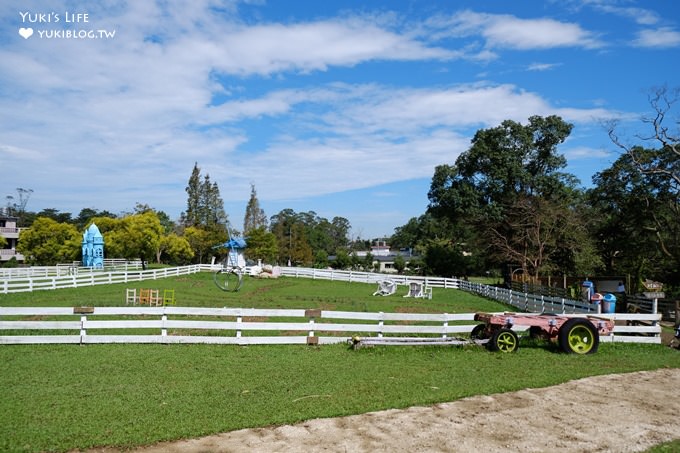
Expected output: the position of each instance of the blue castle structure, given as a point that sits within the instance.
(93, 247)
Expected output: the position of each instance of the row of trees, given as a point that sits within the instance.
(148, 234)
(508, 204)
(135, 236)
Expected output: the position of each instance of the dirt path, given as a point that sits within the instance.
(618, 412)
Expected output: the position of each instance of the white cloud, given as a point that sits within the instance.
(524, 34)
(641, 16)
(661, 37)
(506, 31)
(585, 153)
(542, 66)
(402, 111)
(269, 48)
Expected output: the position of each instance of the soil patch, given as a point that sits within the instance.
(619, 412)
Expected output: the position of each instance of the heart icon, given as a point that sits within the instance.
(26, 32)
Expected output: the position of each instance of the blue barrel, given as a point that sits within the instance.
(609, 303)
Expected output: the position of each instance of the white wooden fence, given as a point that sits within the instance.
(241, 326)
(645, 324)
(113, 264)
(524, 301)
(52, 278)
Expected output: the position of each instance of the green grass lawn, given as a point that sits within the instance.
(198, 290)
(63, 397)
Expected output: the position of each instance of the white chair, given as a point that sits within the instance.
(386, 288)
(131, 296)
(418, 289)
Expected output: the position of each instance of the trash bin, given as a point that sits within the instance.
(597, 300)
(609, 303)
(587, 290)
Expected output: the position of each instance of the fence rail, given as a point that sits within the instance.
(241, 326)
(42, 279)
(667, 307)
(51, 279)
(67, 269)
(522, 300)
(56, 277)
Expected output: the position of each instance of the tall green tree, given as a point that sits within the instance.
(213, 215)
(205, 207)
(304, 234)
(205, 212)
(262, 245)
(419, 230)
(301, 253)
(191, 217)
(281, 225)
(509, 169)
(255, 216)
(339, 229)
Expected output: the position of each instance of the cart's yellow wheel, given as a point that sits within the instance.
(504, 340)
(578, 336)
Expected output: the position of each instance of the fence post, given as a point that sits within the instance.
(239, 320)
(164, 330)
(446, 325)
(381, 323)
(312, 314)
(83, 331)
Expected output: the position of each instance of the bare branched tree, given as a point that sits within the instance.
(17, 206)
(660, 164)
(662, 133)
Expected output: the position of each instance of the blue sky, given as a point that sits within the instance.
(339, 107)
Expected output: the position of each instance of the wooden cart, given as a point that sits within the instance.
(577, 335)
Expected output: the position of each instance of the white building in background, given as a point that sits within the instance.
(9, 231)
(383, 256)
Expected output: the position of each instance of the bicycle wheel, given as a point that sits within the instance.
(228, 279)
